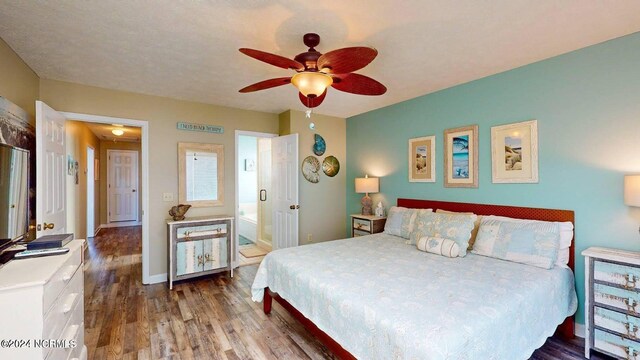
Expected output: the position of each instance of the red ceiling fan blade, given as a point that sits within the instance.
(273, 59)
(358, 84)
(346, 60)
(312, 102)
(266, 84)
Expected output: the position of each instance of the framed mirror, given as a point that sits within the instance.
(201, 174)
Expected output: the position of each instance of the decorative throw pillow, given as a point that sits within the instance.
(439, 246)
(533, 242)
(400, 221)
(476, 225)
(456, 227)
(566, 237)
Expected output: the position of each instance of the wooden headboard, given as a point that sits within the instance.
(566, 329)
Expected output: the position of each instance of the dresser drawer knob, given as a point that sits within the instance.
(631, 304)
(631, 353)
(630, 281)
(632, 330)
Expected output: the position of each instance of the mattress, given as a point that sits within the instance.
(382, 299)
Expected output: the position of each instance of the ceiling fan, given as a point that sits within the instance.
(315, 72)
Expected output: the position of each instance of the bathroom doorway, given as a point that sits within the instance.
(253, 196)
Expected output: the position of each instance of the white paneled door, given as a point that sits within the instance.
(51, 169)
(122, 185)
(284, 152)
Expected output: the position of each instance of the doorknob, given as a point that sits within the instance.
(293, 207)
(48, 226)
(134, 190)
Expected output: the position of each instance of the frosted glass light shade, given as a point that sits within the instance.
(311, 82)
(632, 190)
(367, 185)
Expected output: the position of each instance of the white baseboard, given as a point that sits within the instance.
(158, 278)
(263, 244)
(120, 224)
(579, 330)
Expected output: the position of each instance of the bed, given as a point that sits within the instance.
(374, 297)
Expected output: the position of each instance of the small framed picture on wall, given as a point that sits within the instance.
(461, 157)
(422, 159)
(514, 152)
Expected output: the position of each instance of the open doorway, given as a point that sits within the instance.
(91, 192)
(253, 196)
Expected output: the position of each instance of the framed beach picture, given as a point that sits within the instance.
(461, 157)
(422, 159)
(514, 152)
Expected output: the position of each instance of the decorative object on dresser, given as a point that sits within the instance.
(379, 209)
(461, 157)
(200, 246)
(365, 186)
(178, 212)
(612, 302)
(514, 152)
(632, 191)
(44, 300)
(422, 159)
(366, 224)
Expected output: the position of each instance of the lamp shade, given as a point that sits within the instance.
(632, 190)
(311, 83)
(367, 185)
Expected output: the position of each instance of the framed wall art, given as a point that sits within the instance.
(422, 159)
(514, 152)
(461, 157)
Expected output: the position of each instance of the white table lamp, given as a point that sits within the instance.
(365, 186)
(632, 190)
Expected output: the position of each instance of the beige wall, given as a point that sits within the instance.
(162, 115)
(78, 137)
(110, 145)
(18, 82)
(322, 207)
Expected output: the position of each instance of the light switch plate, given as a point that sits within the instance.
(167, 196)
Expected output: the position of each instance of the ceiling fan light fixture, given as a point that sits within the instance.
(311, 83)
(117, 132)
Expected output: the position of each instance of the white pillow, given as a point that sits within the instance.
(400, 221)
(438, 246)
(566, 236)
(533, 243)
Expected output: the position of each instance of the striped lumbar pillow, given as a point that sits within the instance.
(439, 246)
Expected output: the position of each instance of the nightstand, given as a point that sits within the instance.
(612, 302)
(366, 224)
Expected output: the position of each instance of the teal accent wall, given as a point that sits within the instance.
(587, 104)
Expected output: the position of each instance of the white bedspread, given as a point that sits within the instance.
(382, 299)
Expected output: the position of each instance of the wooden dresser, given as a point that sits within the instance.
(42, 307)
(199, 246)
(612, 305)
(366, 224)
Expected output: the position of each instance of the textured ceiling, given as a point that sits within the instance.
(103, 132)
(189, 49)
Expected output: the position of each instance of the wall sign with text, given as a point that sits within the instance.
(201, 128)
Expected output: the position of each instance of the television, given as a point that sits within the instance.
(14, 194)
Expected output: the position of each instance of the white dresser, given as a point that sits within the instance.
(42, 307)
(612, 304)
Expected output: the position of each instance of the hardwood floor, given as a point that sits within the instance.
(208, 318)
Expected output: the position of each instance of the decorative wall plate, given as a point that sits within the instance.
(320, 145)
(331, 166)
(311, 169)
